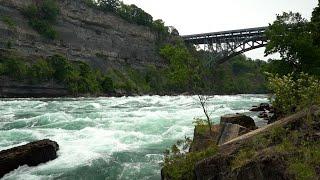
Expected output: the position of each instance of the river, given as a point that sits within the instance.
(107, 138)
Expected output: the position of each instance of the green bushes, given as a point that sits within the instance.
(40, 71)
(15, 68)
(42, 16)
(294, 93)
(188, 70)
(9, 22)
(179, 165)
(182, 67)
(63, 70)
(78, 77)
(107, 85)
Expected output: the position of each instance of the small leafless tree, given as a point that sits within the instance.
(204, 104)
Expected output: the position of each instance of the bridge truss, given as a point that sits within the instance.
(227, 44)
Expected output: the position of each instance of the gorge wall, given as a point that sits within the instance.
(84, 34)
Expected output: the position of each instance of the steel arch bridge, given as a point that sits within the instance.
(227, 44)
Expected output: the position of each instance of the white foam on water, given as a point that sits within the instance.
(90, 129)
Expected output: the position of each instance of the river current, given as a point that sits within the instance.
(107, 138)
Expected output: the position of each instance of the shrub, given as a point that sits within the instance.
(294, 93)
(44, 28)
(62, 69)
(181, 166)
(107, 85)
(41, 71)
(49, 10)
(9, 22)
(302, 171)
(15, 68)
(41, 17)
(181, 72)
(243, 157)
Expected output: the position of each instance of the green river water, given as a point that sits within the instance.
(107, 138)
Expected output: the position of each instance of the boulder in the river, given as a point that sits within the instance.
(230, 131)
(31, 154)
(239, 119)
(263, 115)
(261, 107)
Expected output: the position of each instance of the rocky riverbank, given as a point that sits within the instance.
(285, 149)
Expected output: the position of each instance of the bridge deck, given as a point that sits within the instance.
(239, 34)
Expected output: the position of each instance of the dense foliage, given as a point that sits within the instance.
(188, 71)
(295, 78)
(295, 38)
(42, 15)
(180, 165)
(293, 93)
(131, 13)
(78, 77)
(8, 21)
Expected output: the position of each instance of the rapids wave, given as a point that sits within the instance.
(106, 138)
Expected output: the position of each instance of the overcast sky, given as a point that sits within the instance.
(190, 16)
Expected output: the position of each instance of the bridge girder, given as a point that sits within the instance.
(227, 44)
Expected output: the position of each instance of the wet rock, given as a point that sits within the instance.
(264, 115)
(31, 154)
(239, 119)
(202, 138)
(231, 131)
(261, 107)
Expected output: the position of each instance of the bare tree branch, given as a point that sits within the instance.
(204, 104)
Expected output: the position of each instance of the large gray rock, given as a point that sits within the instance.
(239, 119)
(31, 154)
(231, 131)
(202, 138)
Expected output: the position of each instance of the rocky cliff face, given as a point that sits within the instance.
(85, 34)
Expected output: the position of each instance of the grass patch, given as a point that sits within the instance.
(302, 171)
(243, 157)
(9, 22)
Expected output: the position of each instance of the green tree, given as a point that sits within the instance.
(15, 68)
(316, 25)
(290, 36)
(107, 85)
(40, 71)
(62, 69)
(182, 67)
(109, 5)
(41, 17)
(49, 10)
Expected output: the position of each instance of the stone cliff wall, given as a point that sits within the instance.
(85, 34)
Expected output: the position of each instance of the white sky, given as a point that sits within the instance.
(190, 16)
